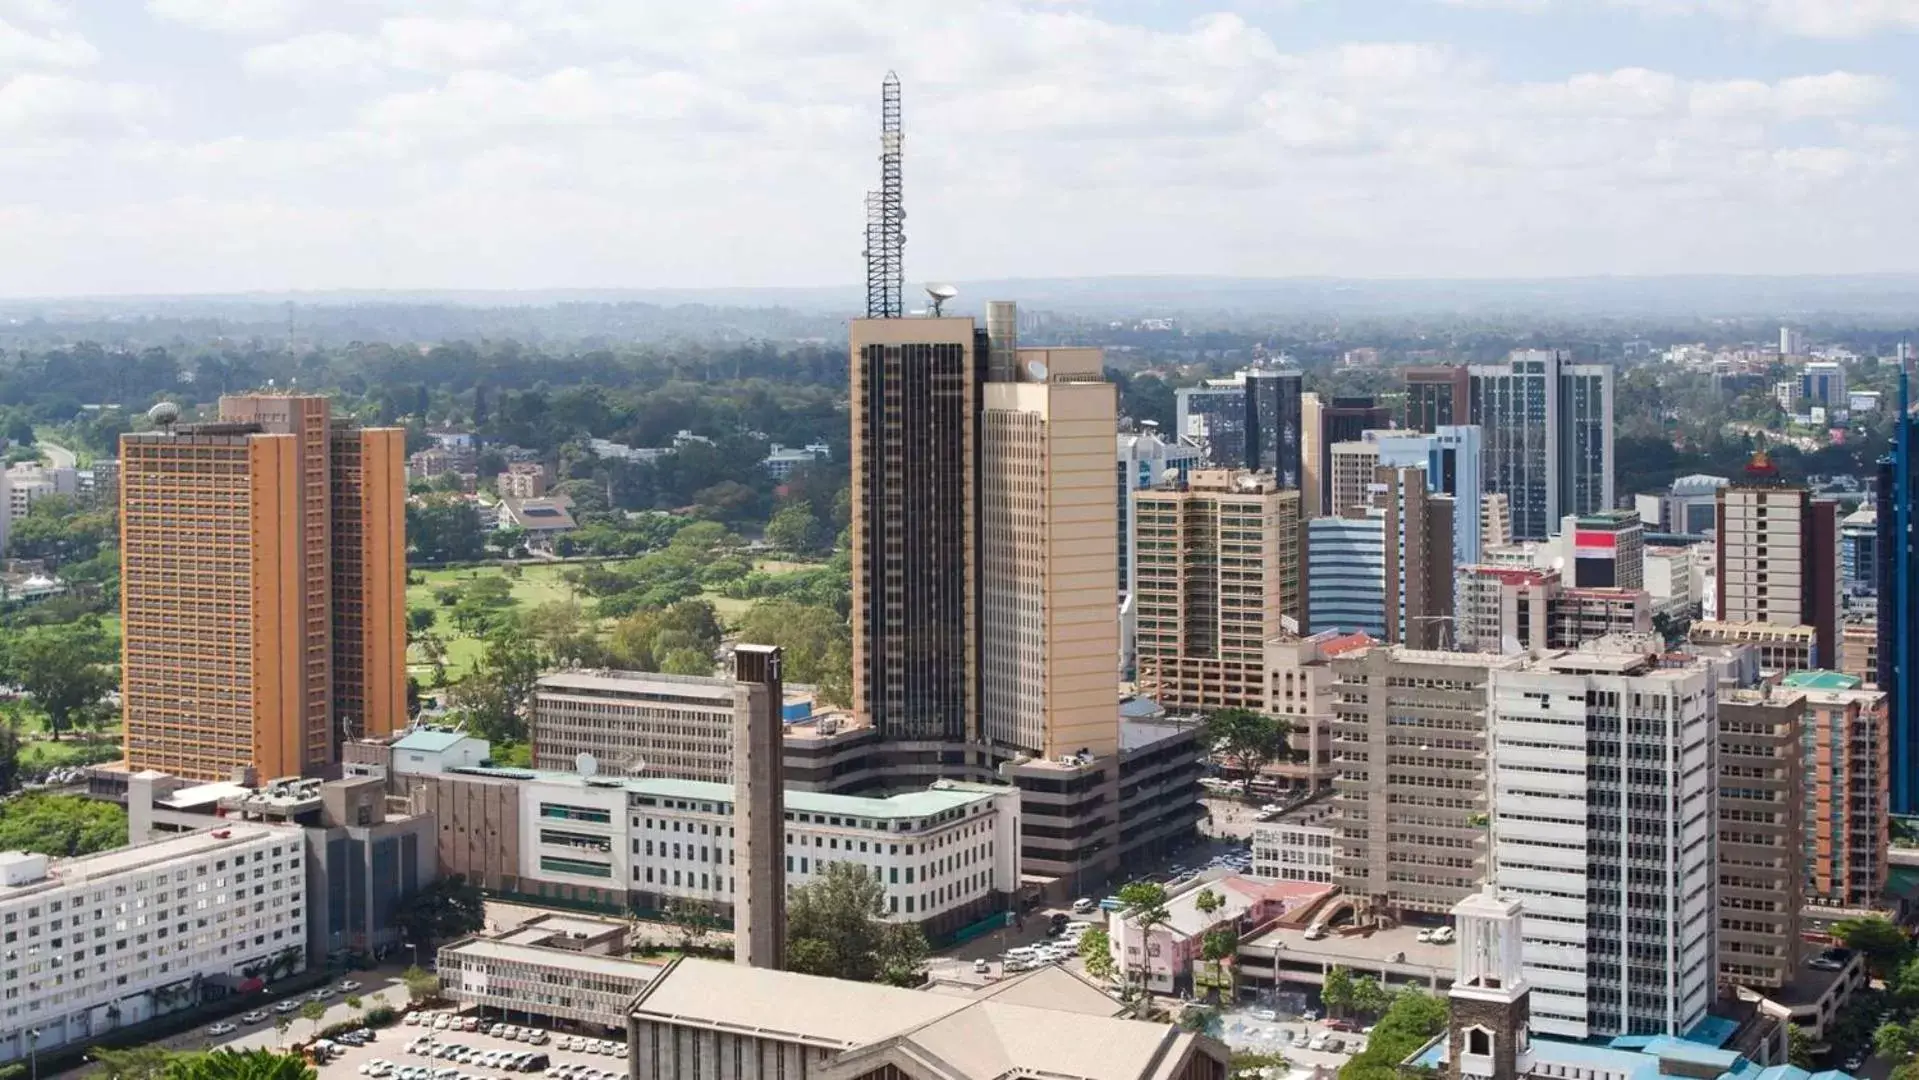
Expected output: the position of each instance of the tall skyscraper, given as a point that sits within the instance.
(1436, 397)
(1275, 431)
(1779, 558)
(1547, 429)
(1603, 799)
(1213, 416)
(263, 589)
(1898, 650)
(915, 403)
(1252, 420)
(1048, 542)
(1221, 572)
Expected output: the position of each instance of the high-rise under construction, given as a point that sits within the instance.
(263, 579)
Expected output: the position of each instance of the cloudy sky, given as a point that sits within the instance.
(218, 145)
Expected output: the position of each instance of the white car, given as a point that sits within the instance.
(254, 1017)
(222, 1029)
(441, 1022)
(1443, 936)
(1301, 1040)
(1083, 905)
(413, 1019)
(1267, 1015)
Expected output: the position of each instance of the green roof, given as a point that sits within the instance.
(1823, 680)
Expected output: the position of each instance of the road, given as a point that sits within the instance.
(59, 456)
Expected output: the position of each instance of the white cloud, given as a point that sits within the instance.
(1806, 18)
(419, 44)
(229, 16)
(53, 48)
(58, 106)
(519, 143)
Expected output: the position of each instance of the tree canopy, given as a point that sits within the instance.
(1245, 738)
(836, 926)
(449, 908)
(61, 825)
(1883, 942)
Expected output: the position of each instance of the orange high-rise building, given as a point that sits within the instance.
(263, 576)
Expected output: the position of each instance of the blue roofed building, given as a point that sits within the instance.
(1489, 1036)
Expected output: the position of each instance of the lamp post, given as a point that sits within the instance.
(33, 1052)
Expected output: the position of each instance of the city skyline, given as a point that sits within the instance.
(500, 145)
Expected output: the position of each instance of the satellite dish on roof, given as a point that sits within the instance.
(585, 764)
(940, 294)
(1036, 370)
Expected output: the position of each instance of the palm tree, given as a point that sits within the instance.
(239, 1065)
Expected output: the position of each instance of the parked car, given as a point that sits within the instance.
(285, 1007)
(347, 986)
(222, 1029)
(1084, 905)
(981, 967)
(1443, 936)
(254, 1017)
(1340, 1025)
(1301, 1040)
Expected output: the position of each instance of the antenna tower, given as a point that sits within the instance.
(886, 216)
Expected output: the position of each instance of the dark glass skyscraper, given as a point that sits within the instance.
(1898, 623)
(1273, 431)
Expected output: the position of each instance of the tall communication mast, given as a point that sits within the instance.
(886, 216)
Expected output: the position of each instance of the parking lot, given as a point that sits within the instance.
(439, 1047)
(254, 1030)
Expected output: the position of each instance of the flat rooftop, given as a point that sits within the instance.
(138, 856)
(1378, 947)
(543, 927)
(944, 795)
(613, 967)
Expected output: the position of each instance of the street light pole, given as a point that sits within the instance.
(33, 1052)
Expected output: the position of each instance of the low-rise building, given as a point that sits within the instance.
(524, 480)
(1296, 844)
(780, 461)
(110, 940)
(536, 971)
(1161, 956)
(540, 519)
(1781, 648)
(949, 855)
(703, 1018)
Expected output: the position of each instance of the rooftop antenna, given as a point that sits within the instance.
(940, 294)
(886, 215)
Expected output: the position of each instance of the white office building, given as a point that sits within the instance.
(947, 854)
(1604, 806)
(114, 939)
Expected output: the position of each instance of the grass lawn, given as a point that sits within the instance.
(537, 584)
(39, 755)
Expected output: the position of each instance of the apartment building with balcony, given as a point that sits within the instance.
(1848, 789)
